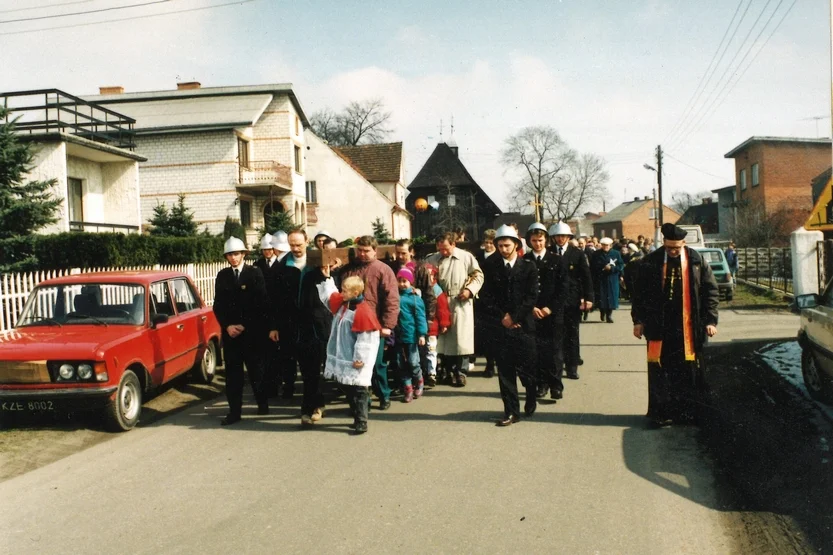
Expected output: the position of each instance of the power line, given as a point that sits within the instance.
(99, 10)
(61, 4)
(698, 91)
(721, 97)
(132, 18)
(703, 110)
(692, 167)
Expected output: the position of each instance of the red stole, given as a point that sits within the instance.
(655, 346)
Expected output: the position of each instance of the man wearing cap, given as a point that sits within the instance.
(675, 309)
(280, 245)
(549, 310)
(579, 297)
(509, 293)
(606, 266)
(243, 310)
(460, 278)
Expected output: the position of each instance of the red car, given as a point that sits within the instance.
(99, 341)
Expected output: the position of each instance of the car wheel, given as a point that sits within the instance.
(206, 367)
(817, 384)
(123, 412)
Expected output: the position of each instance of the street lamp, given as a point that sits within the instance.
(659, 190)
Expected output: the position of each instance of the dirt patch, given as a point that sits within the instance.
(769, 444)
(27, 443)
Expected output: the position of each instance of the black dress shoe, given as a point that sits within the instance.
(230, 419)
(609, 320)
(556, 394)
(542, 391)
(508, 421)
(580, 361)
(529, 408)
(572, 373)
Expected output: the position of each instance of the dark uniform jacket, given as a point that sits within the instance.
(648, 295)
(244, 302)
(286, 286)
(514, 292)
(268, 275)
(577, 270)
(553, 285)
(314, 317)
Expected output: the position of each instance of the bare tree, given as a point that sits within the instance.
(563, 180)
(755, 227)
(451, 214)
(683, 200)
(364, 122)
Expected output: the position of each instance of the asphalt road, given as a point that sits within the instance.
(582, 476)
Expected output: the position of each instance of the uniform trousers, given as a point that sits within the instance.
(245, 349)
(549, 343)
(516, 358)
(311, 357)
(571, 342)
(287, 366)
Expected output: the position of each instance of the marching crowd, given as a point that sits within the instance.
(417, 323)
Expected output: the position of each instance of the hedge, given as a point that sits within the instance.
(93, 250)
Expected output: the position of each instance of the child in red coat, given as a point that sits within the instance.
(438, 323)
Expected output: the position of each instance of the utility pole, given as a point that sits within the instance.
(659, 182)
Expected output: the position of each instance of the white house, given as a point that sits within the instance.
(232, 151)
(343, 200)
(88, 151)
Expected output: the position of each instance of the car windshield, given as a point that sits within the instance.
(85, 303)
(712, 257)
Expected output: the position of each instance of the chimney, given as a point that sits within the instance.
(111, 90)
(190, 85)
(635, 199)
(646, 197)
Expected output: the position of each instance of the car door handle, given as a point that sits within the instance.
(180, 327)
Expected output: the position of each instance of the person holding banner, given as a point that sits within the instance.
(675, 309)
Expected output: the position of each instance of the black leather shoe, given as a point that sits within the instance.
(508, 421)
(360, 428)
(529, 408)
(580, 361)
(572, 373)
(384, 404)
(489, 372)
(609, 319)
(542, 391)
(230, 419)
(556, 394)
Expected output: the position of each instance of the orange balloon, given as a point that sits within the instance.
(421, 205)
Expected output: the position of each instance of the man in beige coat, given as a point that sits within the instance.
(460, 277)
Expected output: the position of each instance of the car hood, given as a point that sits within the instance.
(67, 342)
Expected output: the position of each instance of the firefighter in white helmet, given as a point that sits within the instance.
(242, 307)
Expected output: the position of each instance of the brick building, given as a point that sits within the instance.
(775, 173)
(232, 151)
(632, 219)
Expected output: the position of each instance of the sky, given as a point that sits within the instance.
(614, 78)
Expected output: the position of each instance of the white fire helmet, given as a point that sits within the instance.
(280, 242)
(507, 232)
(266, 242)
(233, 244)
(560, 229)
(535, 227)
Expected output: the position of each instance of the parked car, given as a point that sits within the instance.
(722, 274)
(100, 341)
(815, 335)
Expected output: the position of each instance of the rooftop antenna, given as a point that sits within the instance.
(816, 118)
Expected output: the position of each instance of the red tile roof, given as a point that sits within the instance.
(377, 162)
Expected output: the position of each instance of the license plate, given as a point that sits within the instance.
(26, 406)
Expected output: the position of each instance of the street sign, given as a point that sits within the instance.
(821, 218)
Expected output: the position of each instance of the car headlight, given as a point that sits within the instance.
(85, 371)
(66, 371)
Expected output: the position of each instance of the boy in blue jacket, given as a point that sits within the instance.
(411, 330)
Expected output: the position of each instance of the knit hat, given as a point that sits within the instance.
(407, 274)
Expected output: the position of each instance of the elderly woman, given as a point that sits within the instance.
(607, 266)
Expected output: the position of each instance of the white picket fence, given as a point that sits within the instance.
(15, 288)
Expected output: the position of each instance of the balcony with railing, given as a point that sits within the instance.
(47, 111)
(95, 227)
(259, 176)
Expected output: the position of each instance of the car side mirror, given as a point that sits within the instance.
(158, 319)
(806, 301)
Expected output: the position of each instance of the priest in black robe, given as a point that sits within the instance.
(675, 309)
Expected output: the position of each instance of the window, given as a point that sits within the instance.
(161, 299)
(452, 200)
(742, 180)
(243, 152)
(755, 177)
(184, 296)
(297, 159)
(652, 215)
(75, 199)
(297, 125)
(431, 199)
(312, 193)
(246, 213)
